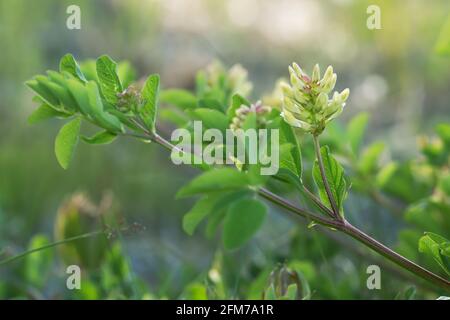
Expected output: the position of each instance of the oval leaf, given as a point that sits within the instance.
(243, 220)
(179, 98)
(150, 96)
(215, 180)
(108, 78)
(45, 112)
(335, 176)
(66, 142)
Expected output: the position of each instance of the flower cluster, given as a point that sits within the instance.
(243, 111)
(129, 99)
(306, 103)
(234, 80)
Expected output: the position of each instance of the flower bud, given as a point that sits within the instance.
(298, 70)
(328, 85)
(296, 82)
(286, 90)
(328, 74)
(321, 102)
(316, 73)
(344, 94)
(290, 105)
(243, 111)
(306, 103)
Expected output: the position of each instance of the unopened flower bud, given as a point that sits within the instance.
(316, 73)
(308, 106)
(298, 70)
(344, 94)
(321, 102)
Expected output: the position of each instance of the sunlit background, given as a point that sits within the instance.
(399, 74)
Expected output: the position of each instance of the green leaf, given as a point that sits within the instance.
(150, 95)
(215, 180)
(43, 92)
(438, 247)
(287, 135)
(96, 110)
(199, 211)
(45, 112)
(179, 98)
(210, 103)
(79, 92)
(66, 100)
(290, 154)
(355, 131)
(211, 118)
(109, 80)
(220, 208)
(70, 65)
(335, 176)
(244, 218)
(102, 137)
(66, 142)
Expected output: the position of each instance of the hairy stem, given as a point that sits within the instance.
(330, 196)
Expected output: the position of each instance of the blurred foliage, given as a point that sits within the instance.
(399, 185)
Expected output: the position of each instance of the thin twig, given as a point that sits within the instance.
(51, 245)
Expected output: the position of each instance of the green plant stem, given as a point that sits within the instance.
(388, 253)
(330, 196)
(317, 202)
(50, 245)
(338, 224)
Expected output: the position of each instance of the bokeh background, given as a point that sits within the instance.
(399, 74)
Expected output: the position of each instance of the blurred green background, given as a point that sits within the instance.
(400, 75)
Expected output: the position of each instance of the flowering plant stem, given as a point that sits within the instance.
(336, 222)
(324, 178)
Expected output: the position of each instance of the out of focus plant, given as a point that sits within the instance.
(231, 197)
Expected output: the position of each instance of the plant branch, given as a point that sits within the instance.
(388, 253)
(317, 201)
(337, 223)
(330, 196)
